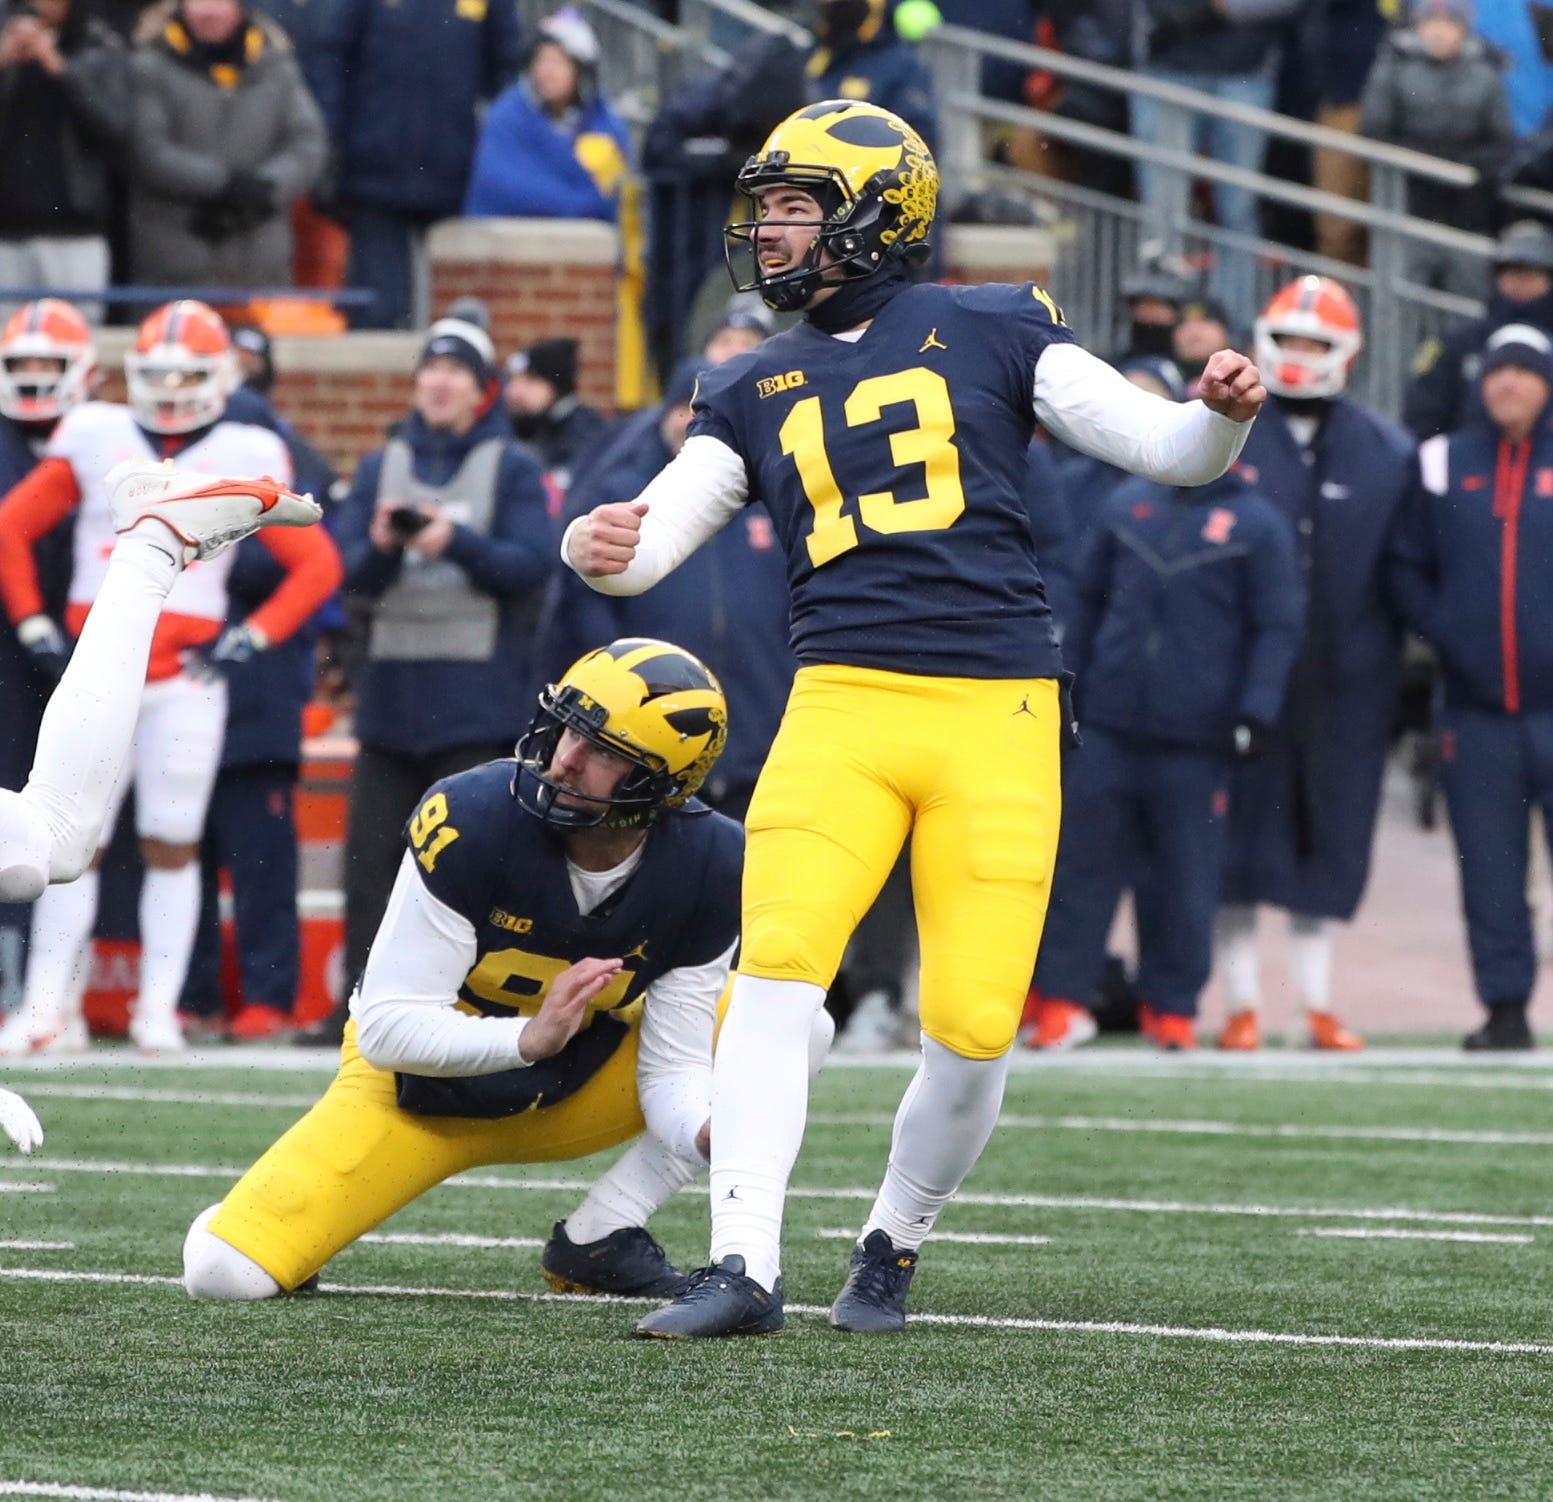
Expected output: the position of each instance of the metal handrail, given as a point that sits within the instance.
(340, 297)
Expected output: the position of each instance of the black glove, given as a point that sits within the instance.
(47, 647)
(1251, 739)
(249, 196)
(1175, 21)
(214, 221)
(235, 645)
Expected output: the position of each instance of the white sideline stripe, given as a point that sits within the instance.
(106, 1494)
(9, 1188)
(37, 1246)
(1355, 1234)
(967, 1238)
(969, 1321)
(1231, 1129)
(451, 1238)
(994, 1201)
(170, 1097)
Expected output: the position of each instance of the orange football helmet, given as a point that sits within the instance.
(182, 368)
(47, 361)
(1314, 307)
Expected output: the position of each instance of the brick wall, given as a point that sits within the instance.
(540, 278)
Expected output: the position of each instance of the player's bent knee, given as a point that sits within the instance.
(214, 1269)
(822, 1033)
(26, 849)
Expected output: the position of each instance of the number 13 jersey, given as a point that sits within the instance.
(893, 467)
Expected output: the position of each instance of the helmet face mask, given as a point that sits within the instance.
(1315, 308)
(181, 370)
(52, 335)
(876, 185)
(651, 704)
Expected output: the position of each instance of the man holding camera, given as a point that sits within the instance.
(447, 544)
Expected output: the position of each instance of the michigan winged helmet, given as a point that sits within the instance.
(876, 184)
(648, 701)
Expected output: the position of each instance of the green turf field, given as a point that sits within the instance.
(1216, 1313)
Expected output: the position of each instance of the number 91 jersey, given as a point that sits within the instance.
(894, 470)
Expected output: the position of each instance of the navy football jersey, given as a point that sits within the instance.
(894, 470)
(479, 852)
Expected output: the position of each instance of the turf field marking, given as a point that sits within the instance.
(965, 1321)
(1354, 1233)
(993, 1201)
(105, 1494)
(141, 1096)
(451, 1238)
(967, 1238)
(1286, 1131)
(37, 1246)
(7, 1187)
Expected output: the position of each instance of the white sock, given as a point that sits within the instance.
(1234, 945)
(945, 1118)
(1310, 960)
(169, 914)
(760, 1098)
(213, 1269)
(643, 1179)
(89, 723)
(62, 921)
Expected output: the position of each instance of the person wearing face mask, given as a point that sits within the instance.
(547, 414)
(1303, 816)
(1154, 299)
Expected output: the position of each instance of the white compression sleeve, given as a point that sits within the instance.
(644, 1177)
(404, 1008)
(1093, 407)
(691, 499)
(89, 723)
(674, 1059)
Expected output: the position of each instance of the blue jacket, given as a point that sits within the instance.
(728, 603)
(1189, 616)
(398, 85)
(1477, 505)
(1512, 26)
(1444, 394)
(417, 708)
(885, 71)
(528, 166)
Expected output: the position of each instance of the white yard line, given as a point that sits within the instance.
(447, 1238)
(1354, 1233)
(106, 1494)
(995, 1201)
(37, 1246)
(967, 1321)
(967, 1238)
(1283, 1131)
(141, 1096)
(6, 1187)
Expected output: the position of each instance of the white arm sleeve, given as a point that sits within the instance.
(1093, 407)
(404, 1007)
(674, 1059)
(690, 499)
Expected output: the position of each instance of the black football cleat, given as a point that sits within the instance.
(624, 1263)
(1506, 1031)
(718, 1300)
(873, 1299)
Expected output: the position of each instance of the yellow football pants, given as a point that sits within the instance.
(356, 1158)
(970, 769)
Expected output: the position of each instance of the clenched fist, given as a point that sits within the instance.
(604, 541)
(1232, 386)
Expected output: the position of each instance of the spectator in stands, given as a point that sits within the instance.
(1437, 88)
(1187, 624)
(400, 87)
(1470, 577)
(1303, 819)
(1446, 390)
(743, 326)
(1202, 328)
(857, 55)
(1518, 31)
(226, 135)
(444, 532)
(1154, 298)
(548, 415)
(551, 147)
(66, 110)
(1227, 48)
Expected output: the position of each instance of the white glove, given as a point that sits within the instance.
(18, 1122)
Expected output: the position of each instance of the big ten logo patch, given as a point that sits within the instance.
(771, 385)
(1219, 525)
(513, 925)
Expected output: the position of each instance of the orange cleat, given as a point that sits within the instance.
(1173, 1033)
(1241, 1032)
(1147, 1017)
(1330, 1036)
(1061, 1024)
(260, 1024)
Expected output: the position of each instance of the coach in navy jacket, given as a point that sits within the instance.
(1189, 609)
(1471, 576)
